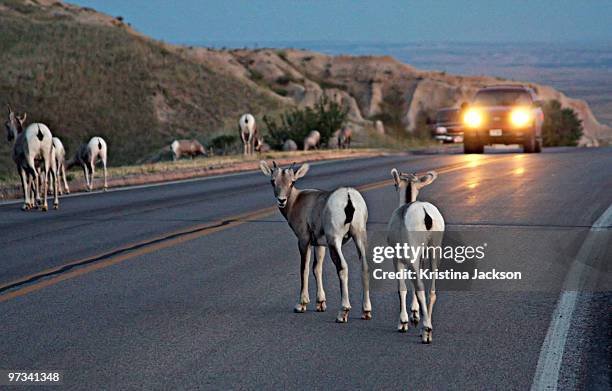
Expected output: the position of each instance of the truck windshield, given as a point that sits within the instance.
(502, 98)
(444, 116)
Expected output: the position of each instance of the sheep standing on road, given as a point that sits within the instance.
(186, 147)
(60, 164)
(322, 219)
(29, 145)
(312, 141)
(87, 156)
(417, 224)
(248, 133)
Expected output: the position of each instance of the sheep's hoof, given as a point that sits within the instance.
(299, 308)
(343, 315)
(321, 306)
(44, 208)
(414, 318)
(402, 327)
(25, 207)
(426, 337)
(367, 315)
(105, 188)
(67, 191)
(55, 206)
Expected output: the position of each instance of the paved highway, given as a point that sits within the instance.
(192, 284)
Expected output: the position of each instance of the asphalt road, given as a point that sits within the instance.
(192, 284)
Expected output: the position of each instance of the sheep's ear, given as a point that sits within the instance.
(426, 179)
(265, 168)
(301, 171)
(22, 118)
(396, 176)
(8, 107)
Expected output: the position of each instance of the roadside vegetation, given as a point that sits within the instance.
(561, 126)
(326, 116)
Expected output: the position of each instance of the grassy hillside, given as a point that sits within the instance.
(85, 79)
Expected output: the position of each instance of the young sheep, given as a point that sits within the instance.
(60, 164)
(417, 224)
(248, 132)
(186, 147)
(322, 219)
(87, 156)
(29, 145)
(312, 141)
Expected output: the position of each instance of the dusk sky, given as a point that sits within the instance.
(388, 21)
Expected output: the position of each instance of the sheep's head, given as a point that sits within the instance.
(282, 179)
(409, 184)
(14, 125)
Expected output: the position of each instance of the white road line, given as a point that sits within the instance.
(549, 363)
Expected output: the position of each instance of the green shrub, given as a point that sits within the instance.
(326, 117)
(561, 126)
(222, 144)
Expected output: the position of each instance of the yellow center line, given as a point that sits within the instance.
(129, 251)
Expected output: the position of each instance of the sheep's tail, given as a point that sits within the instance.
(349, 209)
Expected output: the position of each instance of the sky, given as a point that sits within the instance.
(248, 23)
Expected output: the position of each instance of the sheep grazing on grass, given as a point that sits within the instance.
(289, 145)
(189, 148)
(32, 147)
(248, 133)
(417, 224)
(312, 141)
(87, 156)
(261, 146)
(344, 138)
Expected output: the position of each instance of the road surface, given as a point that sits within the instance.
(192, 284)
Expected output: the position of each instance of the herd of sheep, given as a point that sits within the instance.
(252, 142)
(41, 158)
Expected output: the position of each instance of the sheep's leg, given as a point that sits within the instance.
(432, 288)
(402, 326)
(317, 270)
(360, 242)
(305, 260)
(335, 250)
(86, 172)
(26, 189)
(419, 287)
(63, 173)
(56, 186)
(45, 189)
(92, 168)
(414, 310)
(105, 176)
(36, 187)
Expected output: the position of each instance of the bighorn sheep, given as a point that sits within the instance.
(29, 145)
(312, 141)
(323, 219)
(416, 224)
(289, 145)
(261, 146)
(344, 137)
(186, 147)
(248, 132)
(60, 164)
(87, 156)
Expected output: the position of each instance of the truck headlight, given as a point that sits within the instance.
(472, 118)
(520, 117)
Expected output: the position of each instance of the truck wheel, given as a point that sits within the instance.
(470, 146)
(529, 146)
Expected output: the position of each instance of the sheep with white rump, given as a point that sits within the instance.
(417, 224)
(29, 145)
(87, 156)
(322, 219)
(248, 133)
(312, 141)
